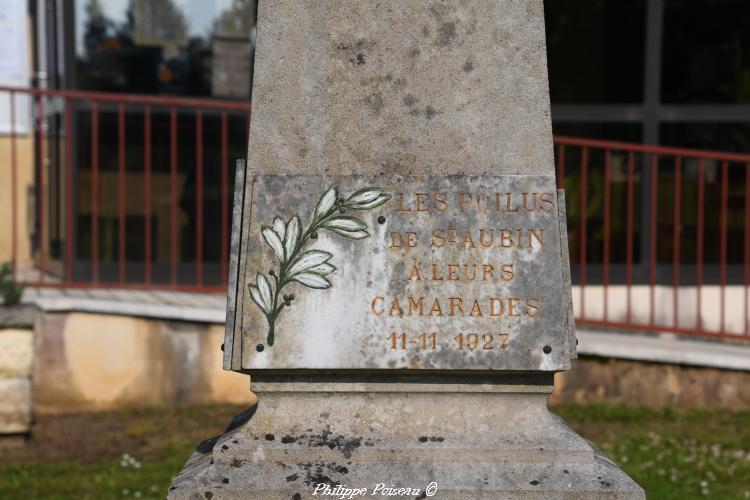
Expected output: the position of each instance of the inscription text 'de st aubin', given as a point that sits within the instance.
(455, 272)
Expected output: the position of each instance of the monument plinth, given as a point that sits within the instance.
(400, 286)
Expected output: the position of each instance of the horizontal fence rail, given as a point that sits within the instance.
(129, 191)
(134, 192)
(659, 237)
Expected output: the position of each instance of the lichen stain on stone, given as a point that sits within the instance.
(358, 60)
(446, 34)
(292, 477)
(414, 53)
(236, 462)
(468, 67)
(429, 112)
(375, 103)
(410, 100)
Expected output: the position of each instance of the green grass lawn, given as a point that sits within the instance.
(135, 453)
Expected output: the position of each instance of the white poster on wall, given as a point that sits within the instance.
(14, 65)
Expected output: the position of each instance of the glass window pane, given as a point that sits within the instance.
(595, 50)
(706, 51)
(176, 47)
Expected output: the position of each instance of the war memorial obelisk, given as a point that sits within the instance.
(400, 287)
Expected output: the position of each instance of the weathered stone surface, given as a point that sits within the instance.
(486, 441)
(393, 87)
(16, 352)
(15, 405)
(458, 272)
(19, 316)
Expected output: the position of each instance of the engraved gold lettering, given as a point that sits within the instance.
(452, 272)
(476, 311)
(487, 269)
(414, 274)
(466, 272)
(483, 199)
(436, 274)
(463, 200)
(374, 305)
(506, 238)
(436, 310)
(441, 203)
(396, 308)
(501, 305)
(438, 238)
(420, 202)
(456, 304)
(511, 303)
(468, 240)
(418, 305)
(507, 272)
(546, 199)
(489, 241)
(539, 236)
(535, 309)
(401, 207)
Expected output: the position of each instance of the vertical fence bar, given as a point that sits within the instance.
(607, 215)
(676, 233)
(147, 179)
(68, 191)
(13, 187)
(199, 197)
(652, 223)
(699, 245)
(629, 235)
(723, 240)
(173, 184)
(747, 247)
(561, 166)
(584, 209)
(121, 189)
(224, 200)
(41, 186)
(94, 192)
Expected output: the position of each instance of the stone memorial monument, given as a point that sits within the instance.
(400, 287)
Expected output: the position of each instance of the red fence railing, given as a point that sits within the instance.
(130, 191)
(134, 192)
(659, 236)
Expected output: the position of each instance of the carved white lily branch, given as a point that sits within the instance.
(311, 268)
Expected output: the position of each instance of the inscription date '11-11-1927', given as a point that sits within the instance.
(473, 267)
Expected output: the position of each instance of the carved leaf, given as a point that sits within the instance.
(364, 196)
(352, 235)
(323, 269)
(279, 227)
(382, 198)
(292, 235)
(308, 260)
(326, 201)
(345, 223)
(255, 294)
(265, 292)
(274, 242)
(312, 280)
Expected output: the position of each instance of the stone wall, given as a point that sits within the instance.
(83, 361)
(16, 360)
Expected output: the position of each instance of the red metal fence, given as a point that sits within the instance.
(659, 237)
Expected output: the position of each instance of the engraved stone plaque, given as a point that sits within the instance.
(400, 272)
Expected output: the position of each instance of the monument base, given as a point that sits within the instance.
(448, 440)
